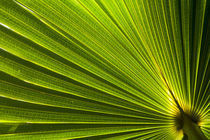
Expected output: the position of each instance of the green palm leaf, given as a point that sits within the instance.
(104, 69)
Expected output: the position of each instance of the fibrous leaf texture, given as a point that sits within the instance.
(104, 69)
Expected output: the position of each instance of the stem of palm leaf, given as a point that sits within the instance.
(190, 127)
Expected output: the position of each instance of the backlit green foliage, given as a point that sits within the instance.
(103, 69)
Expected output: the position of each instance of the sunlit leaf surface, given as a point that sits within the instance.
(103, 69)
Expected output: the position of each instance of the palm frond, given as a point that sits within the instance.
(104, 69)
